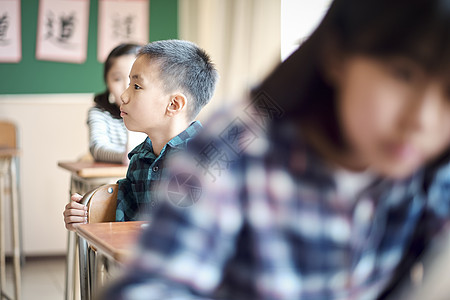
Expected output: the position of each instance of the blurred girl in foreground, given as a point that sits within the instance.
(335, 198)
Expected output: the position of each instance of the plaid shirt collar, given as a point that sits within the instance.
(178, 142)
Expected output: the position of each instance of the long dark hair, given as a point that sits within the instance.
(416, 29)
(101, 100)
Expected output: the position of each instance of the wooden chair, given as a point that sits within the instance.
(8, 134)
(8, 174)
(101, 203)
(81, 185)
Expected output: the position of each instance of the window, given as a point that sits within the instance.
(299, 18)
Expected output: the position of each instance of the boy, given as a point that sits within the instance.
(170, 82)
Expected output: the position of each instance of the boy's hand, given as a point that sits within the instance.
(75, 213)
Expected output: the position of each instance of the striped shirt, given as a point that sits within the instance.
(107, 136)
(271, 224)
(145, 170)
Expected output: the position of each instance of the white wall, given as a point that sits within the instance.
(298, 20)
(51, 128)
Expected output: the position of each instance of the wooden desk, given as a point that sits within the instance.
(85, 176)
(94, 169)
(8, 152)
(113, 239)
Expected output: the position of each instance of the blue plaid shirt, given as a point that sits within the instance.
(145, 170)
(269, 224)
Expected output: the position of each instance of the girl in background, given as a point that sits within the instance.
(108, 136)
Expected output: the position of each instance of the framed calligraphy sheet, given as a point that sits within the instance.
(121, 21)
(10, 31)
(62, 30)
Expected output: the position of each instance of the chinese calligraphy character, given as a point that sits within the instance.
(123, 28)
(49, 25)
(4, 24)
(60, 29)
(67, 28)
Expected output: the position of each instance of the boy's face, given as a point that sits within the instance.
(394, 115)
(144, 102)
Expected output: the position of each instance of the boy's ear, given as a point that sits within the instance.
(177, 104)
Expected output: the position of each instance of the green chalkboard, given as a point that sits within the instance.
(31, 76)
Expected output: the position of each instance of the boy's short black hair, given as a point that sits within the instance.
(183, 65)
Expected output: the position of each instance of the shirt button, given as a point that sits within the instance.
(155, 169)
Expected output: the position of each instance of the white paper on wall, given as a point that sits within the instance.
(10, 31)
(121, 21)
(62, 30)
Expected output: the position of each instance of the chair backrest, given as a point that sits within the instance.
(101, 203)
(7, 134)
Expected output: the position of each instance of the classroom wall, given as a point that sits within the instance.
(49, 103)
(52, 127)
(37, 76)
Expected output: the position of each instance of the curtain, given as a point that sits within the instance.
(242, 37)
